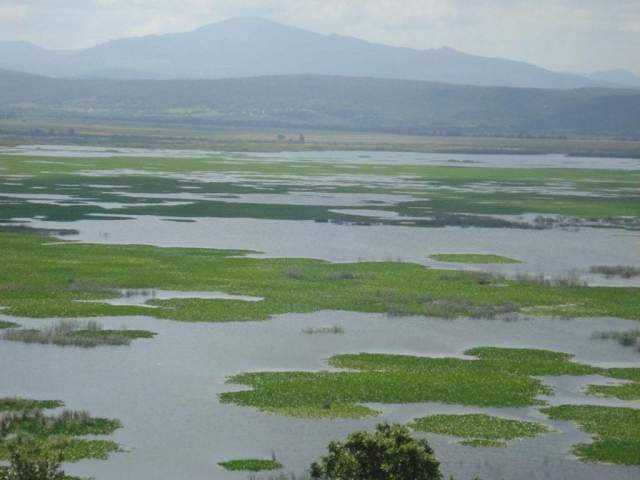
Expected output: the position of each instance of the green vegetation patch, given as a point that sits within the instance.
(69, 448)
(69, 422)
(56, 280)
(498, 377)
(443, 195)
(251, 465)
(623, 271)
(17, 404)
(615, 432)
(472, 258)
(626, 338)
(479, 429)
(74, 333)
(625, 391)
(483, 442)
(55, 435)
(5, 325)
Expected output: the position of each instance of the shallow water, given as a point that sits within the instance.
(164, 390)
(553, 160)
(140, 297)
(549, 252)
(367, 157)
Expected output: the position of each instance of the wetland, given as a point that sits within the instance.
(488, 302)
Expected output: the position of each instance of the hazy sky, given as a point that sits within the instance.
(566, 35)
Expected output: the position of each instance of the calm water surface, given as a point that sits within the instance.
(165, 391)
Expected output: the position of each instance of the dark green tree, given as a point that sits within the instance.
(389, 453)
(29, 461)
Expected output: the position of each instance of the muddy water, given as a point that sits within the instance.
(165, 391)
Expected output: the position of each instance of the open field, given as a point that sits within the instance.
(54, 130)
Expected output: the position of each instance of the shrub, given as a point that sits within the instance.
(389, 453)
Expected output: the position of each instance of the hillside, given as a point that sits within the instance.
(248, 47)
(329, 102)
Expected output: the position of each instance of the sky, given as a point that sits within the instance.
(561, 35)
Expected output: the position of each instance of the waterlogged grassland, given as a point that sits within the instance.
(70, 423)
(60, 434)
(472, 258)
(444, 195)
(626, 391)
(74, 333)
(479, 429)
(5, 325)
(498, 377)
(70, 449)
(623, 391)
(615, 432)
(17, 404)
(251, 465)
(40, 279)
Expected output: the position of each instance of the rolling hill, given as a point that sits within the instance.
(329, 102)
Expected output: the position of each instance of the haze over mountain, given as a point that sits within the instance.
(619, 76)
(248, 47)
(327, 102)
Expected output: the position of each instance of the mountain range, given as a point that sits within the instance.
(251, 47)
(328, 102)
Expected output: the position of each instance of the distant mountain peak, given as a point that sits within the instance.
(254, 46)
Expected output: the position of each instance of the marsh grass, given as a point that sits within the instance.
(85, 334)
(623, 271)
(295, 274)
(56, 434)
(17, 404)
(70, 449)
(396, 306)
(628, 338)
(498, 377)
(341, 275)
(472, 258)
(251, 465)
(625, 391)
(76, 285)
(479, 429)
(5, 325)
(483, 442)
(333, 329)
(36, 276)
(69, 422)
(569, 280)
(616, 438)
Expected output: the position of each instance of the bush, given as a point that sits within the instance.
(390, 453)
(30, 462)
